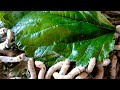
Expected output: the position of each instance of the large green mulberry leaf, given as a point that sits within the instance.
(52, 36)
(80, 51)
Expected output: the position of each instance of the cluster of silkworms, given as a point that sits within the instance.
(60, 69)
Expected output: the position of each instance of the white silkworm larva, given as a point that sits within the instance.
(75, 71)
(31, 69)
(4, 44)
(41, 74)
(82, 75)
(91, 65)
(56, 75)
(12, 59)
(52, 69)
(3, 31)
(116, 35)
(42, 67)
(65, 67)
(70, 75)
(15, 78)
(106, 62)
(118, 28)
(9, 35)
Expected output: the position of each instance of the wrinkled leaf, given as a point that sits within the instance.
(52, 36)
(80, 51)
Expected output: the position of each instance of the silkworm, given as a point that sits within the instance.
(91, 65)
(75, 71)
(82, 75)
(31, 69)
(12, 59)
(42, 67)
(52, 69)
(118, 28)
(65, 67)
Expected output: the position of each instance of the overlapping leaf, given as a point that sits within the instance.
(51, 36)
